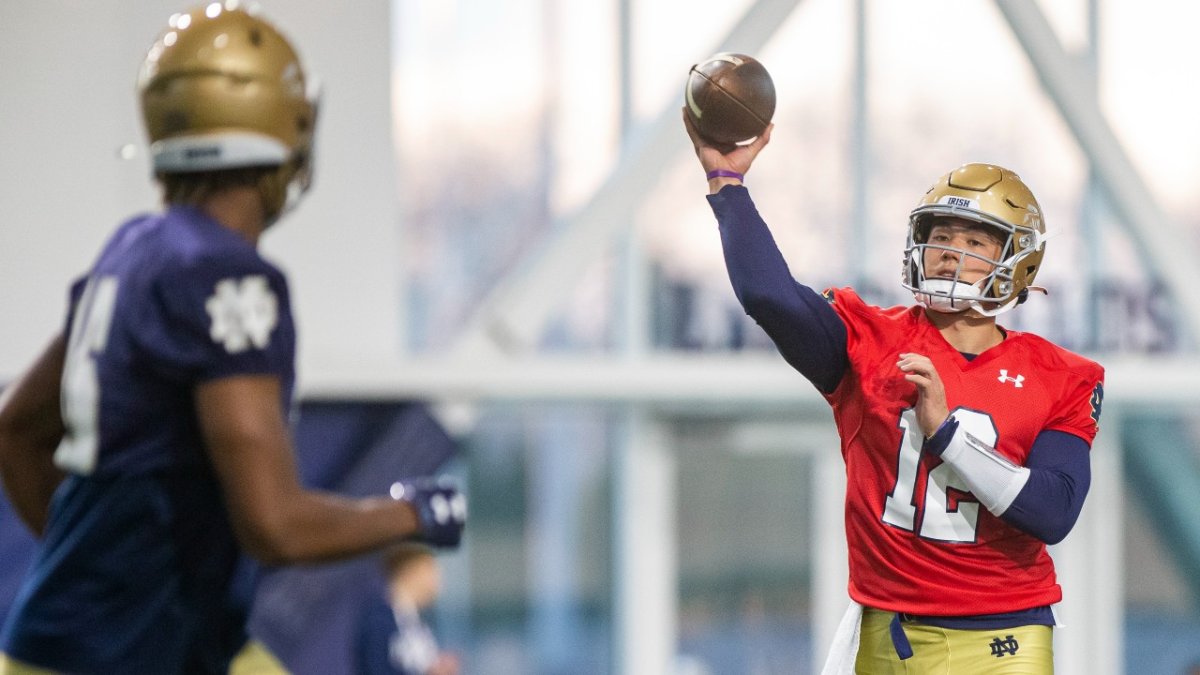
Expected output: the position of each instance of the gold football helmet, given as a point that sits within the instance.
(993, 197)
(223, 89)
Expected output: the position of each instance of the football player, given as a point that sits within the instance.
(392, 636)
(966, 443)
(149, 446)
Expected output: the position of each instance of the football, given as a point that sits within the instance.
(730, 98)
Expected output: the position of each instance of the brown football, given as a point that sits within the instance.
(730, 98)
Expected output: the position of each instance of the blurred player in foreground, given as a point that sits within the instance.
(149, 446)
(393, 639)
(966, 444)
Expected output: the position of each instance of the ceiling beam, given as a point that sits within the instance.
(513, 317)
(1164, 247)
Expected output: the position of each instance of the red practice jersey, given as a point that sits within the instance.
(919, 541)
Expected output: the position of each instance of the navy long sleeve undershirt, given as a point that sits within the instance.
(812, 338)
(808, 333)
(1060, 473)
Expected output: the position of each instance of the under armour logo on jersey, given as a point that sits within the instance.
(1006, 646)
(244, 312)
(1018, 381)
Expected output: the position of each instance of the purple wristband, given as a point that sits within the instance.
(723, 173)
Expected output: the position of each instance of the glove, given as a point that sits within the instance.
(441, 509)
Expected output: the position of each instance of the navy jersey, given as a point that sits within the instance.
(135, 572)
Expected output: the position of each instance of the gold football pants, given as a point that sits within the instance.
(1023, 650)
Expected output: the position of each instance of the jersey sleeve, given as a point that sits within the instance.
(1078, 412)
(849, 308)
(221, 316)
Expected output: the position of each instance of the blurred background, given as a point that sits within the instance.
(507, 271)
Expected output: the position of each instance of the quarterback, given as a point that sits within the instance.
(966, 444)
(149, 445)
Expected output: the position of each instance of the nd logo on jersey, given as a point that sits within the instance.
(243, 312)
(1097, 402)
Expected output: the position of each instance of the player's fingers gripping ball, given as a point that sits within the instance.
(441, 509)
(730, 98)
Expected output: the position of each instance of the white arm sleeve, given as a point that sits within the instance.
(994, 479)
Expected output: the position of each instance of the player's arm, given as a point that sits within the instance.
(31, 427)
(276, 518)
(1042, 498)
(1060, 474)
(809, 334)
(807, 331)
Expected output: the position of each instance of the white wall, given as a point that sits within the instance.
(67, 105)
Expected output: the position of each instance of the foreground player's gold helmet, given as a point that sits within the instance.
(991, 196)
(223, 89)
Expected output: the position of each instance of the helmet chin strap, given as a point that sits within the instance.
(947, 295)
(966, 296)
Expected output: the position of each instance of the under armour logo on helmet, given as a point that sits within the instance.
(1018, 381)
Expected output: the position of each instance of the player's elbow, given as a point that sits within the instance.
(9, 463)
(1051, 540)
(759, 303)
(5, 447)
(1057, 529)
(1053, 537)
(1049, 529)
(10, 435)
(264, 546)
(771, 313)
